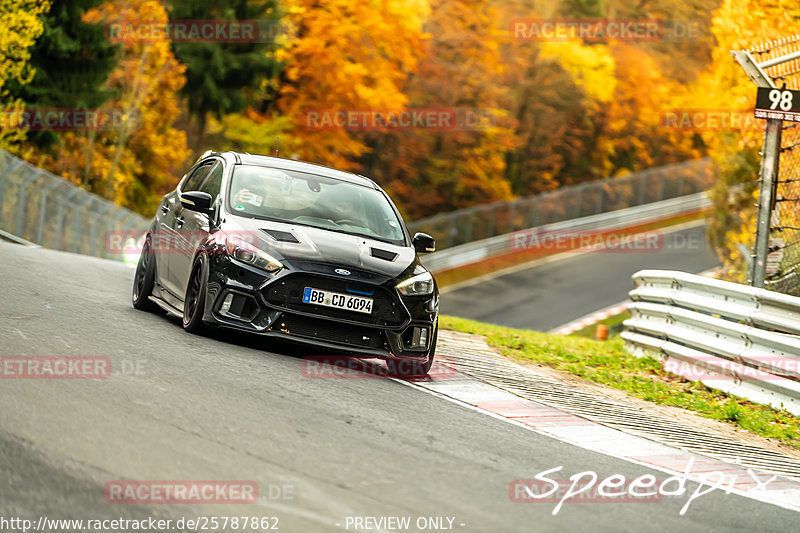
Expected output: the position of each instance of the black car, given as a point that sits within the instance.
(291, 250)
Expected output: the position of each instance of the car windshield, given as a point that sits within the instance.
(312, 200)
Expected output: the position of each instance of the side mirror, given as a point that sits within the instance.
(423, 243)
(196, 201)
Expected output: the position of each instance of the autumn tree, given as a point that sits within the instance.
(222, 77)
(738, 25)
(73, 59)
(445, 168)
(136, 156)
(22, 24)
(344, 55)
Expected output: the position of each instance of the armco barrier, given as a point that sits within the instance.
(623, 218)
(44, 209)
(739, 339)
(47, 210)
(566, 203)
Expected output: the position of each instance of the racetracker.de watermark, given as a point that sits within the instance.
(592, 30)
(177, 492)
(432, 118)
(709, 119)
(64, 119)
(194, 31)
(350, 367)
(594, 241)
(70, 367)
(55, 367)
(710, 368)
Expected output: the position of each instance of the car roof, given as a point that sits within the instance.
(299, 166)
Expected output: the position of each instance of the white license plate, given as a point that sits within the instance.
(337, 300)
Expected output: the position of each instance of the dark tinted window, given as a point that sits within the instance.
(195, 181)
(311, 200)
(213, 182)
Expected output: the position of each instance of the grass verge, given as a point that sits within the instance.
(607, 363)
(614, 324)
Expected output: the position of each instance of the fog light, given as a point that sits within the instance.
(423, 338)
(225, 308)
(416, 338)
(239, 307)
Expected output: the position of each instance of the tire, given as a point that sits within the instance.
(413, 369)
(144, 281)
(194, 300)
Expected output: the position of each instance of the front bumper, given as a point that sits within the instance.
(246, 299)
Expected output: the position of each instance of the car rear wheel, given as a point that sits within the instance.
(144, 280)
(411, 369)
(194, 300)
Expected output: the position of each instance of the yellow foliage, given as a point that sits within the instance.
(20, 27)
(137, 156)
(344, 55)
(592, 66)
(738, 25)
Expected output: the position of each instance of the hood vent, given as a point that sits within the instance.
(282, 236)
(383, 254)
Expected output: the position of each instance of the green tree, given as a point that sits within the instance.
(73, 59)
(220, 77)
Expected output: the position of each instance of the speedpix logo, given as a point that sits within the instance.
(588, 487)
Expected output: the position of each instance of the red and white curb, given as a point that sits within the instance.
(591, 318)
(565, 427)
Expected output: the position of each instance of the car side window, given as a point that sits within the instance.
(213, 182)
(195, 181)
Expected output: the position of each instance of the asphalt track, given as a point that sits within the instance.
(552, 293)
(231, 407)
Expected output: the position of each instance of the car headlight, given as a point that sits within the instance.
(419, 285)
(247, 253)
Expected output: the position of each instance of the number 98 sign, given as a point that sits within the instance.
(783, 104)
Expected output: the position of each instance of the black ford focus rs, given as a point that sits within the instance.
(291, 250)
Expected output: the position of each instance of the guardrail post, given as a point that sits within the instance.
(601, 192)
(60, 216)
(490, 227)
(93, 237)
(768, 175)
(17, 163)
(78, 213)
(111, 225)
(21, 208)
(766, 199)
(40, 232)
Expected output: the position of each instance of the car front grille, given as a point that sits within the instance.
(325, 330)
(286, 294)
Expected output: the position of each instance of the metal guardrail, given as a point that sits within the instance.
(741, 340)
(44, 209)
(623, 218)
(566, 203)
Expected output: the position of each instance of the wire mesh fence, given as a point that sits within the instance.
(45, 209)
(783, 262)
(566, 203)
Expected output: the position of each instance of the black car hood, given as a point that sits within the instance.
(323, 246)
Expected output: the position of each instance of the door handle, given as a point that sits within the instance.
(179, 221)
(164, 208)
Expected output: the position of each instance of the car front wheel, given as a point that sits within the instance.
(144, 280)
(195, 300)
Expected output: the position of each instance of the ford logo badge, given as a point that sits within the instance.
(342, 271)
